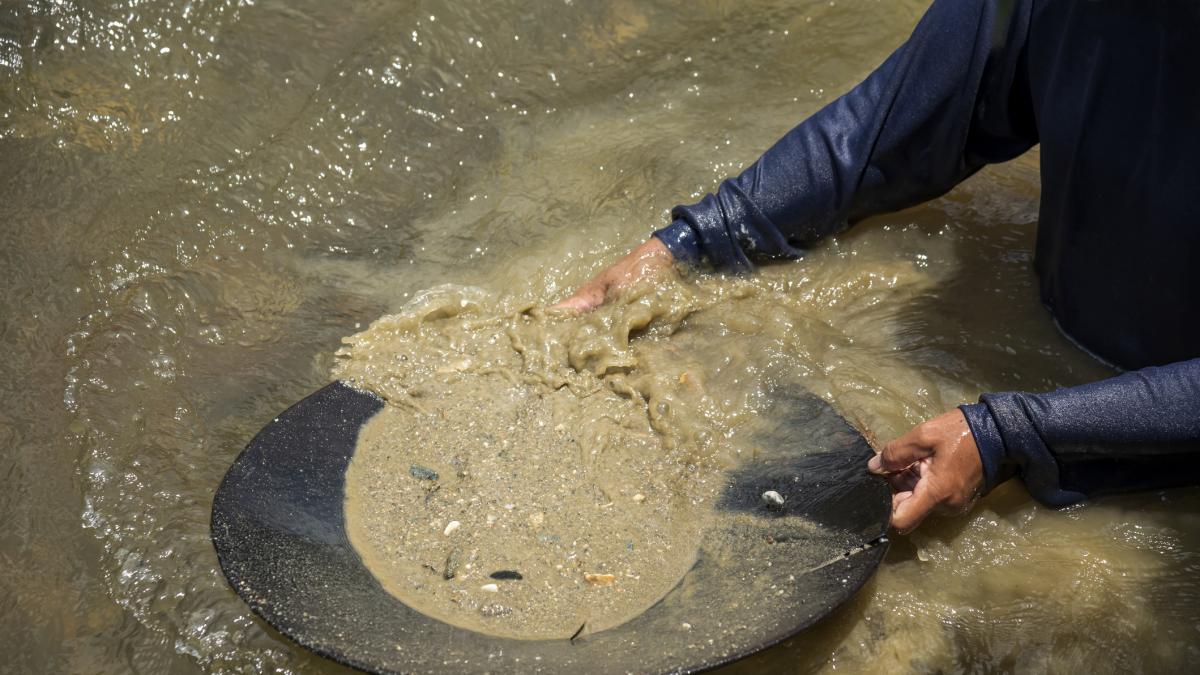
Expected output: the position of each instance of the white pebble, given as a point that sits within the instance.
(639, 497)
(490, 588)
(451, 527)
(772, 499)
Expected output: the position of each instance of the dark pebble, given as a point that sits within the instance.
(506, 575)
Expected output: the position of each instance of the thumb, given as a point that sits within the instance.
(907, 513)
(899, 454)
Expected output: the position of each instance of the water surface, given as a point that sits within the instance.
(198, 200)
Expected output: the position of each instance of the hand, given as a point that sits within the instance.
(935, 466)
(643, 262)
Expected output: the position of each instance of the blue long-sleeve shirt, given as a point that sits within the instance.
(1111, 91)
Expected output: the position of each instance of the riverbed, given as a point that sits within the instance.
(199, 201)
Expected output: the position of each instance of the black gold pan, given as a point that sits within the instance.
(279, 531)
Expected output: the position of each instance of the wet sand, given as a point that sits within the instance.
(504, 491)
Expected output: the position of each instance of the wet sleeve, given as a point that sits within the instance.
(1136, 431)
(953, 98)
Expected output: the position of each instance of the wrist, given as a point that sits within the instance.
(992, 454)
(680, 242)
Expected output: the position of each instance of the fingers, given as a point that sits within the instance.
(587, 298)
(590, 295)
(910, 508)
(936, 466)
(903, 481)
(900, 454)
(875, 465)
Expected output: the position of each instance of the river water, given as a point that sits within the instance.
(198, 200)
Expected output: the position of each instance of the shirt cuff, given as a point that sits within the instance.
(996, 466)
(681, 240)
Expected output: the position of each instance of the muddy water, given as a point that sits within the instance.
(199, 200)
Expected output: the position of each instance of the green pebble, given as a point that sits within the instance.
(418, 471)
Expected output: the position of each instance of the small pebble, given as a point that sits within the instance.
(537, 518)
(639, 497)
(772, 499)
(451, 527)
(419, 472)
(600, 579)
(454, 367)
(490, 588)
(506, 575)
(451, 566)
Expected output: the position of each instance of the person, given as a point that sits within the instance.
(1111, 92)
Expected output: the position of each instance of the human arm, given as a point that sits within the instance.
(951, 99)
(1138, 430)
